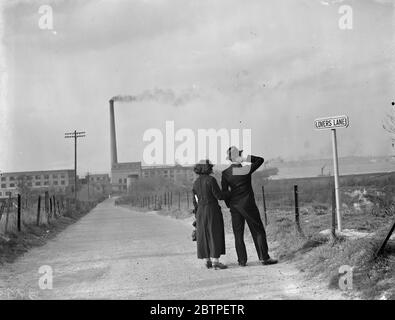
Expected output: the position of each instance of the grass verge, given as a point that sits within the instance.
(319, 256)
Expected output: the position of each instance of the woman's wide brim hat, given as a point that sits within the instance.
(206, 161)
(233, 152)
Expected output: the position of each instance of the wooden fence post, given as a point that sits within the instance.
(382, 246)
(187, 200)
(46, 204)
(58, 207)
(297, 222)
(264, 205)
(50, 206)
(8, 212)
(3, 204)
(179, 200)
(38, 210)
(54, 205)
(19, 213)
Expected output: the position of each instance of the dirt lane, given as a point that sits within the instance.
(117, 253)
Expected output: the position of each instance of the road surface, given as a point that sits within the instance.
(117, 253)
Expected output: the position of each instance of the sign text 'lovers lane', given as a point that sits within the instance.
(332, 122)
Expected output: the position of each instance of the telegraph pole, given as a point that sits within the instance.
(75, 134)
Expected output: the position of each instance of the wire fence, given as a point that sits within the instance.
(19, 212)
(169, 200)
(296, 201)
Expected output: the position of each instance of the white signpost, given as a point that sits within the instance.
(333, 123)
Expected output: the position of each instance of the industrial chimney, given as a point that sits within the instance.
(114, 158)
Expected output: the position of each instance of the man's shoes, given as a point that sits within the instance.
(242, 264)
(219, 265)
(209, 264)
(269, 261)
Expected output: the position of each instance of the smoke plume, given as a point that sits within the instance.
(166, 96)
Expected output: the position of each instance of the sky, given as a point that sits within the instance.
(274, 65)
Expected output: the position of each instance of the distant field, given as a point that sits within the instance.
(279, 192)
(347, 166)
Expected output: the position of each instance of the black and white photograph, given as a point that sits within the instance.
(206, 152)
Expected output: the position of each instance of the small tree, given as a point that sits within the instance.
(23, 186)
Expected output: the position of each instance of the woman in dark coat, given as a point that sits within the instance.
(210, 235)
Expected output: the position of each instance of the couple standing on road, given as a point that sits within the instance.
(238, 195)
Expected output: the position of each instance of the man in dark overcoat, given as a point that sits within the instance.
(237, 179)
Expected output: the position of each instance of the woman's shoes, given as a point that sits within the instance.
(219, 265)
(209, 264)
(269, 261)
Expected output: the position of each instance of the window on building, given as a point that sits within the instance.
(46, 183)
(62, 182)
(29, 184)
(55, 183)
(4, 185)
(124, 180)
(54, 176)
(12, 178)
(3, 178)
(38, 183)
(62, 176)
(12, 185)
(8, 193)
(1, 194)
(46, 176)
(38, 177)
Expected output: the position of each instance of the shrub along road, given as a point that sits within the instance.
(117, 253)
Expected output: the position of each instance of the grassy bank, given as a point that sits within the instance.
(318, 256)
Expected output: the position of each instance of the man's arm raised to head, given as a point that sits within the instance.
(256, 162)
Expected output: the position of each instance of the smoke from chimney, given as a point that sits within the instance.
(166, 96)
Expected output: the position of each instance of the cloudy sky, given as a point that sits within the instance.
(275, 65)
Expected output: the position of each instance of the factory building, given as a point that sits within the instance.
(123, 174)
(56, 180)
(175, 173)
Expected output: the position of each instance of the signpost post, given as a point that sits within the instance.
(333, 123)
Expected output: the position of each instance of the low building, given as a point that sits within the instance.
(56, 180)
(100, 182)
(175, 173)
(123, 174)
